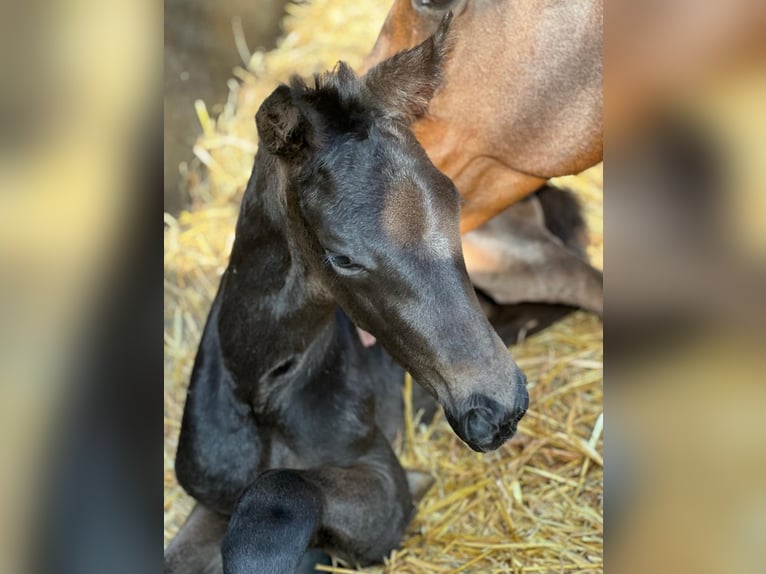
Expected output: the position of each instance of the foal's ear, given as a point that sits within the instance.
(404, 84)
(282, 128)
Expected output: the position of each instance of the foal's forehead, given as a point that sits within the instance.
(379, 143)
(382, 165)
(389, 183)
(363, 169)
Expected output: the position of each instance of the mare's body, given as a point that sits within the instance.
(521, 100)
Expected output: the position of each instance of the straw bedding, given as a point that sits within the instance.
(535, 504)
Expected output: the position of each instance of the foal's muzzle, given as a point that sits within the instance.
(484, 424)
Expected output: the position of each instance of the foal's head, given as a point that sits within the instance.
(377, 226)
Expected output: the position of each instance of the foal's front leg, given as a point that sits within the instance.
(358, 512)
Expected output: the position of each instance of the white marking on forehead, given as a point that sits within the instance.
(411, 217)
(436, 237)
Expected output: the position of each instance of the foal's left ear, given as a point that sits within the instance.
(282, 128)
(404, 84)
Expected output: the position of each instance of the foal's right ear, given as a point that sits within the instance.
(282, 128)
(404, 84)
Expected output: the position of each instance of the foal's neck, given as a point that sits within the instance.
(272, 307)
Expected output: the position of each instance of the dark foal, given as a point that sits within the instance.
(289, 418)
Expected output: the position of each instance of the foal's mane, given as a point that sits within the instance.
(337, 100)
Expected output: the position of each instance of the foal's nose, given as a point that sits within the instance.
(487, 424)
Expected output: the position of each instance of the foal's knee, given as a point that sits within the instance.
(272, 524)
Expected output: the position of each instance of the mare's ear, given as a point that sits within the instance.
(404, 84)
(282, 128)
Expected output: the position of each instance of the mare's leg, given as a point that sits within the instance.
(513, 323)
(196, 549)
(515, 258)
(357, 512)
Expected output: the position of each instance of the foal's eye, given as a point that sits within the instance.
(343, 263)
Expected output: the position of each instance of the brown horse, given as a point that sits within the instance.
(522, 96)
(521, 103)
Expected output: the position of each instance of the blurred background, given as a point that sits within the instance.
(80, 189)
(685, 215)
(79, 164)
(204, 42)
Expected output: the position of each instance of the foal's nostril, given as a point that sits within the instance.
(478, 425)
(487, 424)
